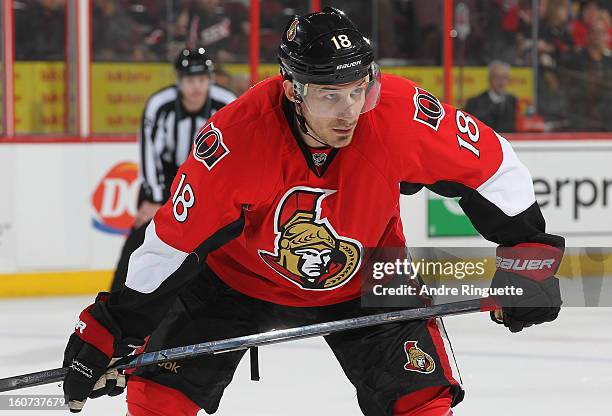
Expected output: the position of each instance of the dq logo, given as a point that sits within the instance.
(307, 250)
(114, 200)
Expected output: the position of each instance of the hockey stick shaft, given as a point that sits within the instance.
(256, 340)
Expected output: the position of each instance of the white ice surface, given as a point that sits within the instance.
(559, 369)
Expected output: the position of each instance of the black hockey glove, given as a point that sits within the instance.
(539, 303)
(90, 351)
(528, 268)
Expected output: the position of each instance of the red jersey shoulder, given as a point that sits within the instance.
(239, 133)
(393, 121)
(404, 102)
(432, 140)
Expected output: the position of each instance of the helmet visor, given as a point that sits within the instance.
(343, 101)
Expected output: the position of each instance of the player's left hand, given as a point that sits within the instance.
(539, 303)
(528, 269)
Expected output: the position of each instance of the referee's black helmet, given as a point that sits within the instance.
(193, 62)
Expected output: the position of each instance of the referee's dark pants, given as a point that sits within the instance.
(133, 241)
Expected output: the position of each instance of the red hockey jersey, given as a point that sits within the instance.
(282, 223)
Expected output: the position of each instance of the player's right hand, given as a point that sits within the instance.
(90, 351)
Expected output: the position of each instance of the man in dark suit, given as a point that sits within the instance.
(495, 106)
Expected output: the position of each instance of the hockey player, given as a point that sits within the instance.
(170, 120)
(283, 190)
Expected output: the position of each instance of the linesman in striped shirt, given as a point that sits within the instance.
(171, 118)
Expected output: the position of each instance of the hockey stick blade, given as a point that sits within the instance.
(256, 340)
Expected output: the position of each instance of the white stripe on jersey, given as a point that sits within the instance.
(449, 351)
(510, 188)
(152, 172)
(170, 140)
(173, 150)
(221, 94)
(158, 99)
(152, 263)
(184, 140)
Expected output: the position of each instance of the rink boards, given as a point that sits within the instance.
(67, 206)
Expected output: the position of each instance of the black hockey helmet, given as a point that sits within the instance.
(324, 48)
(193, 62)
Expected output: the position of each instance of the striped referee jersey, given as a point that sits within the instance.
(166, 134)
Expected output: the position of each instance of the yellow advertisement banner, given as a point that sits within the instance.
(40, 97)
(469, 83)
(120, 90)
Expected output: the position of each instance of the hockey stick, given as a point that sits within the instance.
(256, 340)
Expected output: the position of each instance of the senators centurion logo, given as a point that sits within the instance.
(292, 30)
(418, 360)
(307, 250)
(208, 146)
(428, 109)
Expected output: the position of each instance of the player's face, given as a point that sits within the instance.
(332, 111)
(194, 89)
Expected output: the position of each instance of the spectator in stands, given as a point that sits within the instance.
(402, 34)
(496, 107)
(555, 41)
(220, 26)
(590, 81)
(153, 23)
(426, 30)
(555, 47)
(40, 30)
(605, 9)
(429, 21)
(588, 13)
(502, 26)
(469, 51)
(115, 35)
(388, 29)
(273, 16)
(524, 40)
(607, 18)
